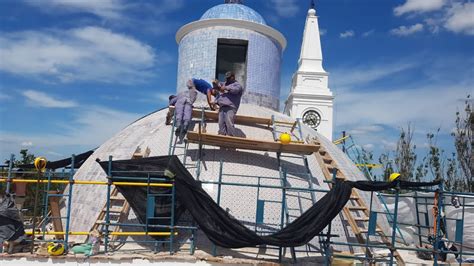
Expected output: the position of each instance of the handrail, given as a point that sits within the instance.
(83, 182)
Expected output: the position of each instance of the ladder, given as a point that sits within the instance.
(118, 213)
(354, 153)
(55, 211)
(286, 171)
(356, 211)
(53, 214)
(176, 144)
(119, 208)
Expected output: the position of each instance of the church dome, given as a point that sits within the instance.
(235, 166)
(233, 11)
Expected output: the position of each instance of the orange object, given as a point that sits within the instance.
(435, 211)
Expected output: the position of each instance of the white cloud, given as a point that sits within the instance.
(360, 130)
(360, 75)
(455, 16)
(460, 18)
(368, 33)
(418, 6)
(396, 107)
(388, 145)
(162, 96)
(368, 146)
(145, 16)
(89, 127)
(27, 144)
(4, 96)
(347, 34)
(285, 8)
(89, 53)
(373, 108)
(163, 6)
(56, 154)
(41, 99)
(99, 124)
(433, 24)
(109, 9)
(405, 31)
(323, 32)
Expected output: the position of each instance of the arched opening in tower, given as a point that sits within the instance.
(232, 56)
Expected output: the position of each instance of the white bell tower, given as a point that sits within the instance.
(310, 99)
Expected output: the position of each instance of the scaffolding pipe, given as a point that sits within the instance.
(107, 211)
(132, 233)
(9, 178)
(69, 200)
(83, 182)
(265, 186)
(394, 226)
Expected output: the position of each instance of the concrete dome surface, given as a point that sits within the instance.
(239, 166)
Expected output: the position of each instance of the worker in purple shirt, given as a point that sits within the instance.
(229, 101)
(204, 87)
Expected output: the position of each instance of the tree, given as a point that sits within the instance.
(452, 181)
(387, 165)
(26, 157)
(435, 157)
(405, 156)
(464, 143)
(364, 158)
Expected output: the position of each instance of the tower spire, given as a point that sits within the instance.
(311, 5)
(311, 57)
(310, 97)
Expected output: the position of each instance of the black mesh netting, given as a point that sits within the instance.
(221, 228)
(11, 225)
(78, 161)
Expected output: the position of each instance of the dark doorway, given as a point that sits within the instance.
(232, 56)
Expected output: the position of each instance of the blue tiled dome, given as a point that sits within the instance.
(233, 11)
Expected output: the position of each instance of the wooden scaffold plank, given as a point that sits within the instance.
(250, 144)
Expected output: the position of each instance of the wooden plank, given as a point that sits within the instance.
(239, 119)
(113, 209)
(56, 212)
(140, 153)
(250, 144)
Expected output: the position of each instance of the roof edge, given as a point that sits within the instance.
(248, 25)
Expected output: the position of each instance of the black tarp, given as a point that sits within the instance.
(220, 227)
(11, 225)
(78, 161)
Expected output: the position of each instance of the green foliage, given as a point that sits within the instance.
(405, 156)
(452, 180)
(366, 157)
(435, 156)
(464, 144)
(28, 205)
(457, 170)
(26, 157)
(387, 165)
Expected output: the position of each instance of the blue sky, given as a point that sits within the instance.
(73, 73)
